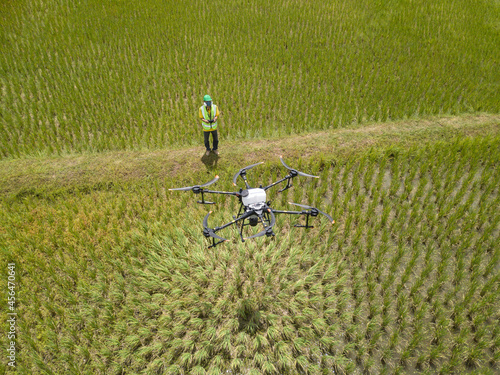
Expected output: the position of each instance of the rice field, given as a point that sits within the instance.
(89, 77)
(119, 280)
(113, 274)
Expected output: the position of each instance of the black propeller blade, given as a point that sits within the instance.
(196, 187)
(243, 171)
(209, 232)
(314, 211)
(267, 230)
(294, 171)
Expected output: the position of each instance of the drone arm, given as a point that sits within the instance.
(203, 191)
(310, 211)
(199, 189)
(245, 180)
(307, 213)
(279, 182)
(242, 172)
(211, 232)
(242, 217)
(289, 212)
(292, 173)
(221, 192)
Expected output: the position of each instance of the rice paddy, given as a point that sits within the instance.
(119, 280)
(91, 77)
(98, 107)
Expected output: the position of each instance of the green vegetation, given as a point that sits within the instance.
(394, 104)
(119, 278)
(88, 76)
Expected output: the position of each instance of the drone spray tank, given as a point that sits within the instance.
(254, 199)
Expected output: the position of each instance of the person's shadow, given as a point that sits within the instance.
(210, 160)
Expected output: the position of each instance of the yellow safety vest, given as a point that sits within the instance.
(213, 113)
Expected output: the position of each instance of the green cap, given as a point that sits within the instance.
(207, 98)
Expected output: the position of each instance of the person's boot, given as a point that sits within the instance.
(216, 152)
(207, 153)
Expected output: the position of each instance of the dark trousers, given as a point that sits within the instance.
(215, 139)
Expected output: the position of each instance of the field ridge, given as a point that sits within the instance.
(28, 175)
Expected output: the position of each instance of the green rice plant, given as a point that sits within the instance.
(336, 299)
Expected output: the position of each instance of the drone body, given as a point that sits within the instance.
(254, 206)
(254, 198)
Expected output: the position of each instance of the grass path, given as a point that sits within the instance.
(45, 174)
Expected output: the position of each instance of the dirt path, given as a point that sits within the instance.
(21, 175)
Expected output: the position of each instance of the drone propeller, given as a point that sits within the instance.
(243, 172)
(196, 188)
(268, 231)
(209, 232)
(314, 211)
(295, 172)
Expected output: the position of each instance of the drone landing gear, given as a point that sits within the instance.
(312, 212)
(203, 201)
(288, 186)
(307, 226)
(215, 243)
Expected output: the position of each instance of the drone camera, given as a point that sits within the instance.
(253, 220)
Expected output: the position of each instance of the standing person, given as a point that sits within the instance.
(208, 116)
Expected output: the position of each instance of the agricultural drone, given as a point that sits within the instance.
(254, 207)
